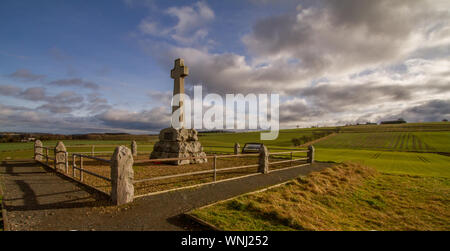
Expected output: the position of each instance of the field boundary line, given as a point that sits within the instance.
(318, 140)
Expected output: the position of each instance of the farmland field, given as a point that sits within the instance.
(410, 127)
(424, 164)
(396, 141)
(284, 138)
(346, 197)
(393, 179)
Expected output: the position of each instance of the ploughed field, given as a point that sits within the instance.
(391, 141)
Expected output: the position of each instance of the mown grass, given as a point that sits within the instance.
(347, 197)
(423, 164)
(284, 139)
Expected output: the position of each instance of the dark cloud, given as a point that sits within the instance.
(431, 111)
(54, 108)
(25, 75)
(9, 90)
(77, 82)
(63, 102)
(298, 111)
(342, 35)
(338, 98)
(34, 94)
(66, 97)
(97, 104)
(156, 118)
(162, 98)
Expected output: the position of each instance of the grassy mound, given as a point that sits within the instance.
(346, 197)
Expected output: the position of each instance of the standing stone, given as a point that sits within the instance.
(263, 160)
(122, 175)
(38, 150)
(311, 152)
(236, 148)
(134, 148)
(60, 156)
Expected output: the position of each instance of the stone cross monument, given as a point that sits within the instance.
(178, 73)
(179, 143)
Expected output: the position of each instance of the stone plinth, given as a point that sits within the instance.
(179, 143)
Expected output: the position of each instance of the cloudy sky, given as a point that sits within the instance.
(104, 66)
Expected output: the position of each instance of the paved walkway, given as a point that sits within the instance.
(36, 199)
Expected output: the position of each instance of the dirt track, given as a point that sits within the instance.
(40, 200)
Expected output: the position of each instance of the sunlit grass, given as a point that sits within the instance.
(348, 197)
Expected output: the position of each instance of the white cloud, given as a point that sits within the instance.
(191, 26)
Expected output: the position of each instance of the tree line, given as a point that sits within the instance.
(21, 137)
(308, 138)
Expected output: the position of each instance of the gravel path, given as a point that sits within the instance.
(40, 200)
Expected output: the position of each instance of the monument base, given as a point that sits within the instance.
(179, 143)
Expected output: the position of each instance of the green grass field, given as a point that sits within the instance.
(411, 190)
(25, 150)
(410, 127)
(423, 164)
(228, 139)
(396, 141)
(348, 197)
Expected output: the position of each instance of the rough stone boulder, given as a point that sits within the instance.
(179, 143)
(60, 156)
(122, 175)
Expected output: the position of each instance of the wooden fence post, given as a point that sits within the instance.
(311, 152)
(93, 150)
(215, 167)
(46, 155)
(263, 160)
(67, 163)
(81, 169)
(74, 164)
(122, 176)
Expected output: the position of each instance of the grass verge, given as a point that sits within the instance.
(346, 197)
